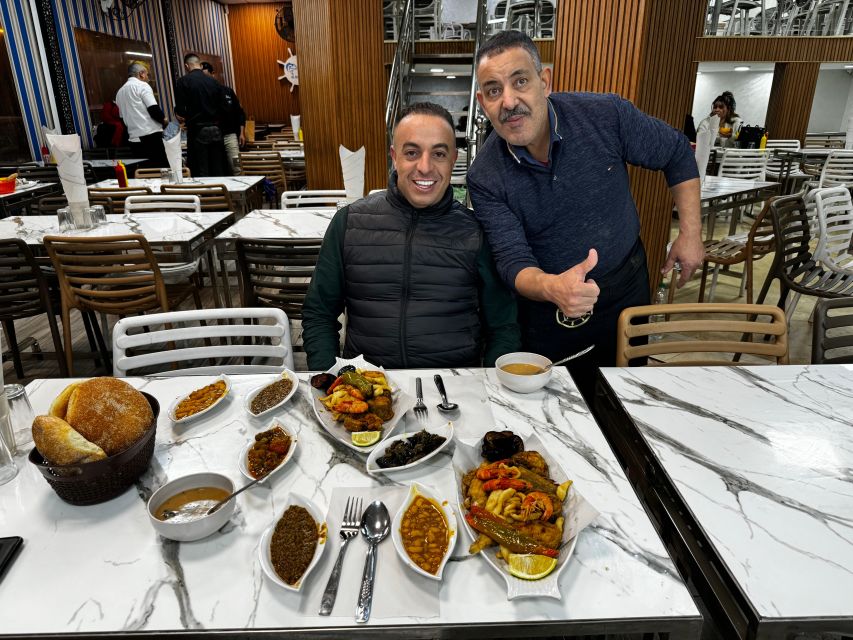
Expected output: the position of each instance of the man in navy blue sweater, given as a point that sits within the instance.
(551, 190)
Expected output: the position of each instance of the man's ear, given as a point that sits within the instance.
(393, 156)
(545, 75)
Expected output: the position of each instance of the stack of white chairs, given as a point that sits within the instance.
(774, 165)
(316, 198)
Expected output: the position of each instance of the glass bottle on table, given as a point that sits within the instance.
(661, 297)
(8, 468)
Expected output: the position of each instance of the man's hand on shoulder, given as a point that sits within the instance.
(570, 290)
(689, 251)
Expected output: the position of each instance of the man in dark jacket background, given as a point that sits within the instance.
(411, 267)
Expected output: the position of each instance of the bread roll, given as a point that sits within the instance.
(59, 444)
(108, 412)
(59, 406)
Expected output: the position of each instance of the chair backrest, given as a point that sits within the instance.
(185, 338)
(260, 145)
(835, 229)
(213, 197)
(774, 164)
(108, 274)
(748, 164)
(284, 143)
(23, 290)
(276, 273)
(47, 173)
(312, 198)
(49, 205)
(116, 195)
(685, 327)
(837, 170)
(832, 336)
(792, 227)
(163, 203)
(264, 163)
(153, 172)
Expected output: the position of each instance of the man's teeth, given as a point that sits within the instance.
(424, 183)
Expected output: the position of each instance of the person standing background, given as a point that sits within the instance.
(142, 116)
(200, 105)
(234, 122)
(730, 122)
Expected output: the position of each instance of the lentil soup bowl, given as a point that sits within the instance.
(267, 539)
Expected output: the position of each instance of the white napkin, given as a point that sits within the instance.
(352, 166)
(398, 590)
(69, 159)
(704, 141)
(296, 123)
(848, 142)
(472, 419)
(173, 155)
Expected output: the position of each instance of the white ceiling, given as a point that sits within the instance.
(720, 67)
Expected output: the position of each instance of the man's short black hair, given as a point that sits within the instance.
(206, 66)
(425, 109)
(504, 40)
(189, 58)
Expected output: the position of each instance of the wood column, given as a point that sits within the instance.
(342, 87)
(642, 50)
(791, 96)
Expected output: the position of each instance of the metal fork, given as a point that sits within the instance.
(420, 409)
(349, 530)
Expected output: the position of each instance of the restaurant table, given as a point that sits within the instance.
(792, 157)
(104, 168)
(246, 191)
(175, 237)
(22, 198)
(746, 471)
(102, 568)
(270, 224)
(726, 194)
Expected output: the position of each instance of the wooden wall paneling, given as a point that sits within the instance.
(791, 96)
(255, 47)
(769, 49)
(343, 87)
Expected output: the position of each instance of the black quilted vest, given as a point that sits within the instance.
(411, 282)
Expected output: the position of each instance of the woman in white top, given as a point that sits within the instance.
(730, 122)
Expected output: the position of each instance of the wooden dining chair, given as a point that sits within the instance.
(50, 172)
(149, 172)
(268, 164)
(702, 330)
(25, 293)
(115, 195)
(112, 275)
(212, 197)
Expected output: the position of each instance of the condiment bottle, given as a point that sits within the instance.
(121, 174)
(763, 143)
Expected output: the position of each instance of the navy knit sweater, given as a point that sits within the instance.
(550, 216)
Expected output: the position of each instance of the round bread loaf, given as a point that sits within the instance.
(108, 412)
(60, 444)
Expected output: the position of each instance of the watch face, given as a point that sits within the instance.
(572, 323)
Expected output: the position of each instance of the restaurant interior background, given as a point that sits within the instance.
(669, 58)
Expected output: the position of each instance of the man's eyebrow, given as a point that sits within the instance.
(441, 145)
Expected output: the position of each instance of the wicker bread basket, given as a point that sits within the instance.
(94, 482)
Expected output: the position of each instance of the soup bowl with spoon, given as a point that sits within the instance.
(523, 372)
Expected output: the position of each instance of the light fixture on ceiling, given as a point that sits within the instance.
(436, 70)
(698, 73)
(848, 66)
(451, 77)
(742, 68)
(139, 54)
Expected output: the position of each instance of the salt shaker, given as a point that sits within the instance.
(21, 414)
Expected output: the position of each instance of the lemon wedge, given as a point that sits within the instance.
(530, 566)
(366, 438)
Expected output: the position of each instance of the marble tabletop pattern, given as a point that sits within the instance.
(762, 458)
(234, 184)
(102, 568)
(277, 223)
(156, 227)
(715, 187)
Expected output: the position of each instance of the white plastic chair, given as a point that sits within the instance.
(313, 198)
(835, 225)
(774, 164)
(173, 272)
(165, 339)
(837, 170)
(747, 164)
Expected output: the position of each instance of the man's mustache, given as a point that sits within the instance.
(517, 111)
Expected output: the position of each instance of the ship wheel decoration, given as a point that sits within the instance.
(290, 71)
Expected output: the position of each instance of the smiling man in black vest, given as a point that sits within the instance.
(410, 267)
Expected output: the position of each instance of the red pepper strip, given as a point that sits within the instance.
(337, 381)
(505, 535)
(506, 483)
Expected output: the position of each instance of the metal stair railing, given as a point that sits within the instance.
(400, 69)
(476, 126)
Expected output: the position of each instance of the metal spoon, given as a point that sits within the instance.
(375, 526)
(571, 357)
(171, 514)
(444, 405)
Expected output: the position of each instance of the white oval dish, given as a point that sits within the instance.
(243, 462)
(266, 538)
(416, 489)
(201, 527)
(219, 400)
(247, 402)
(445, 430)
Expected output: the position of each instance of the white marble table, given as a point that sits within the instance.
(750, 467)
(25, 196)
(246, 191)
(103, 569)
(724, 194)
